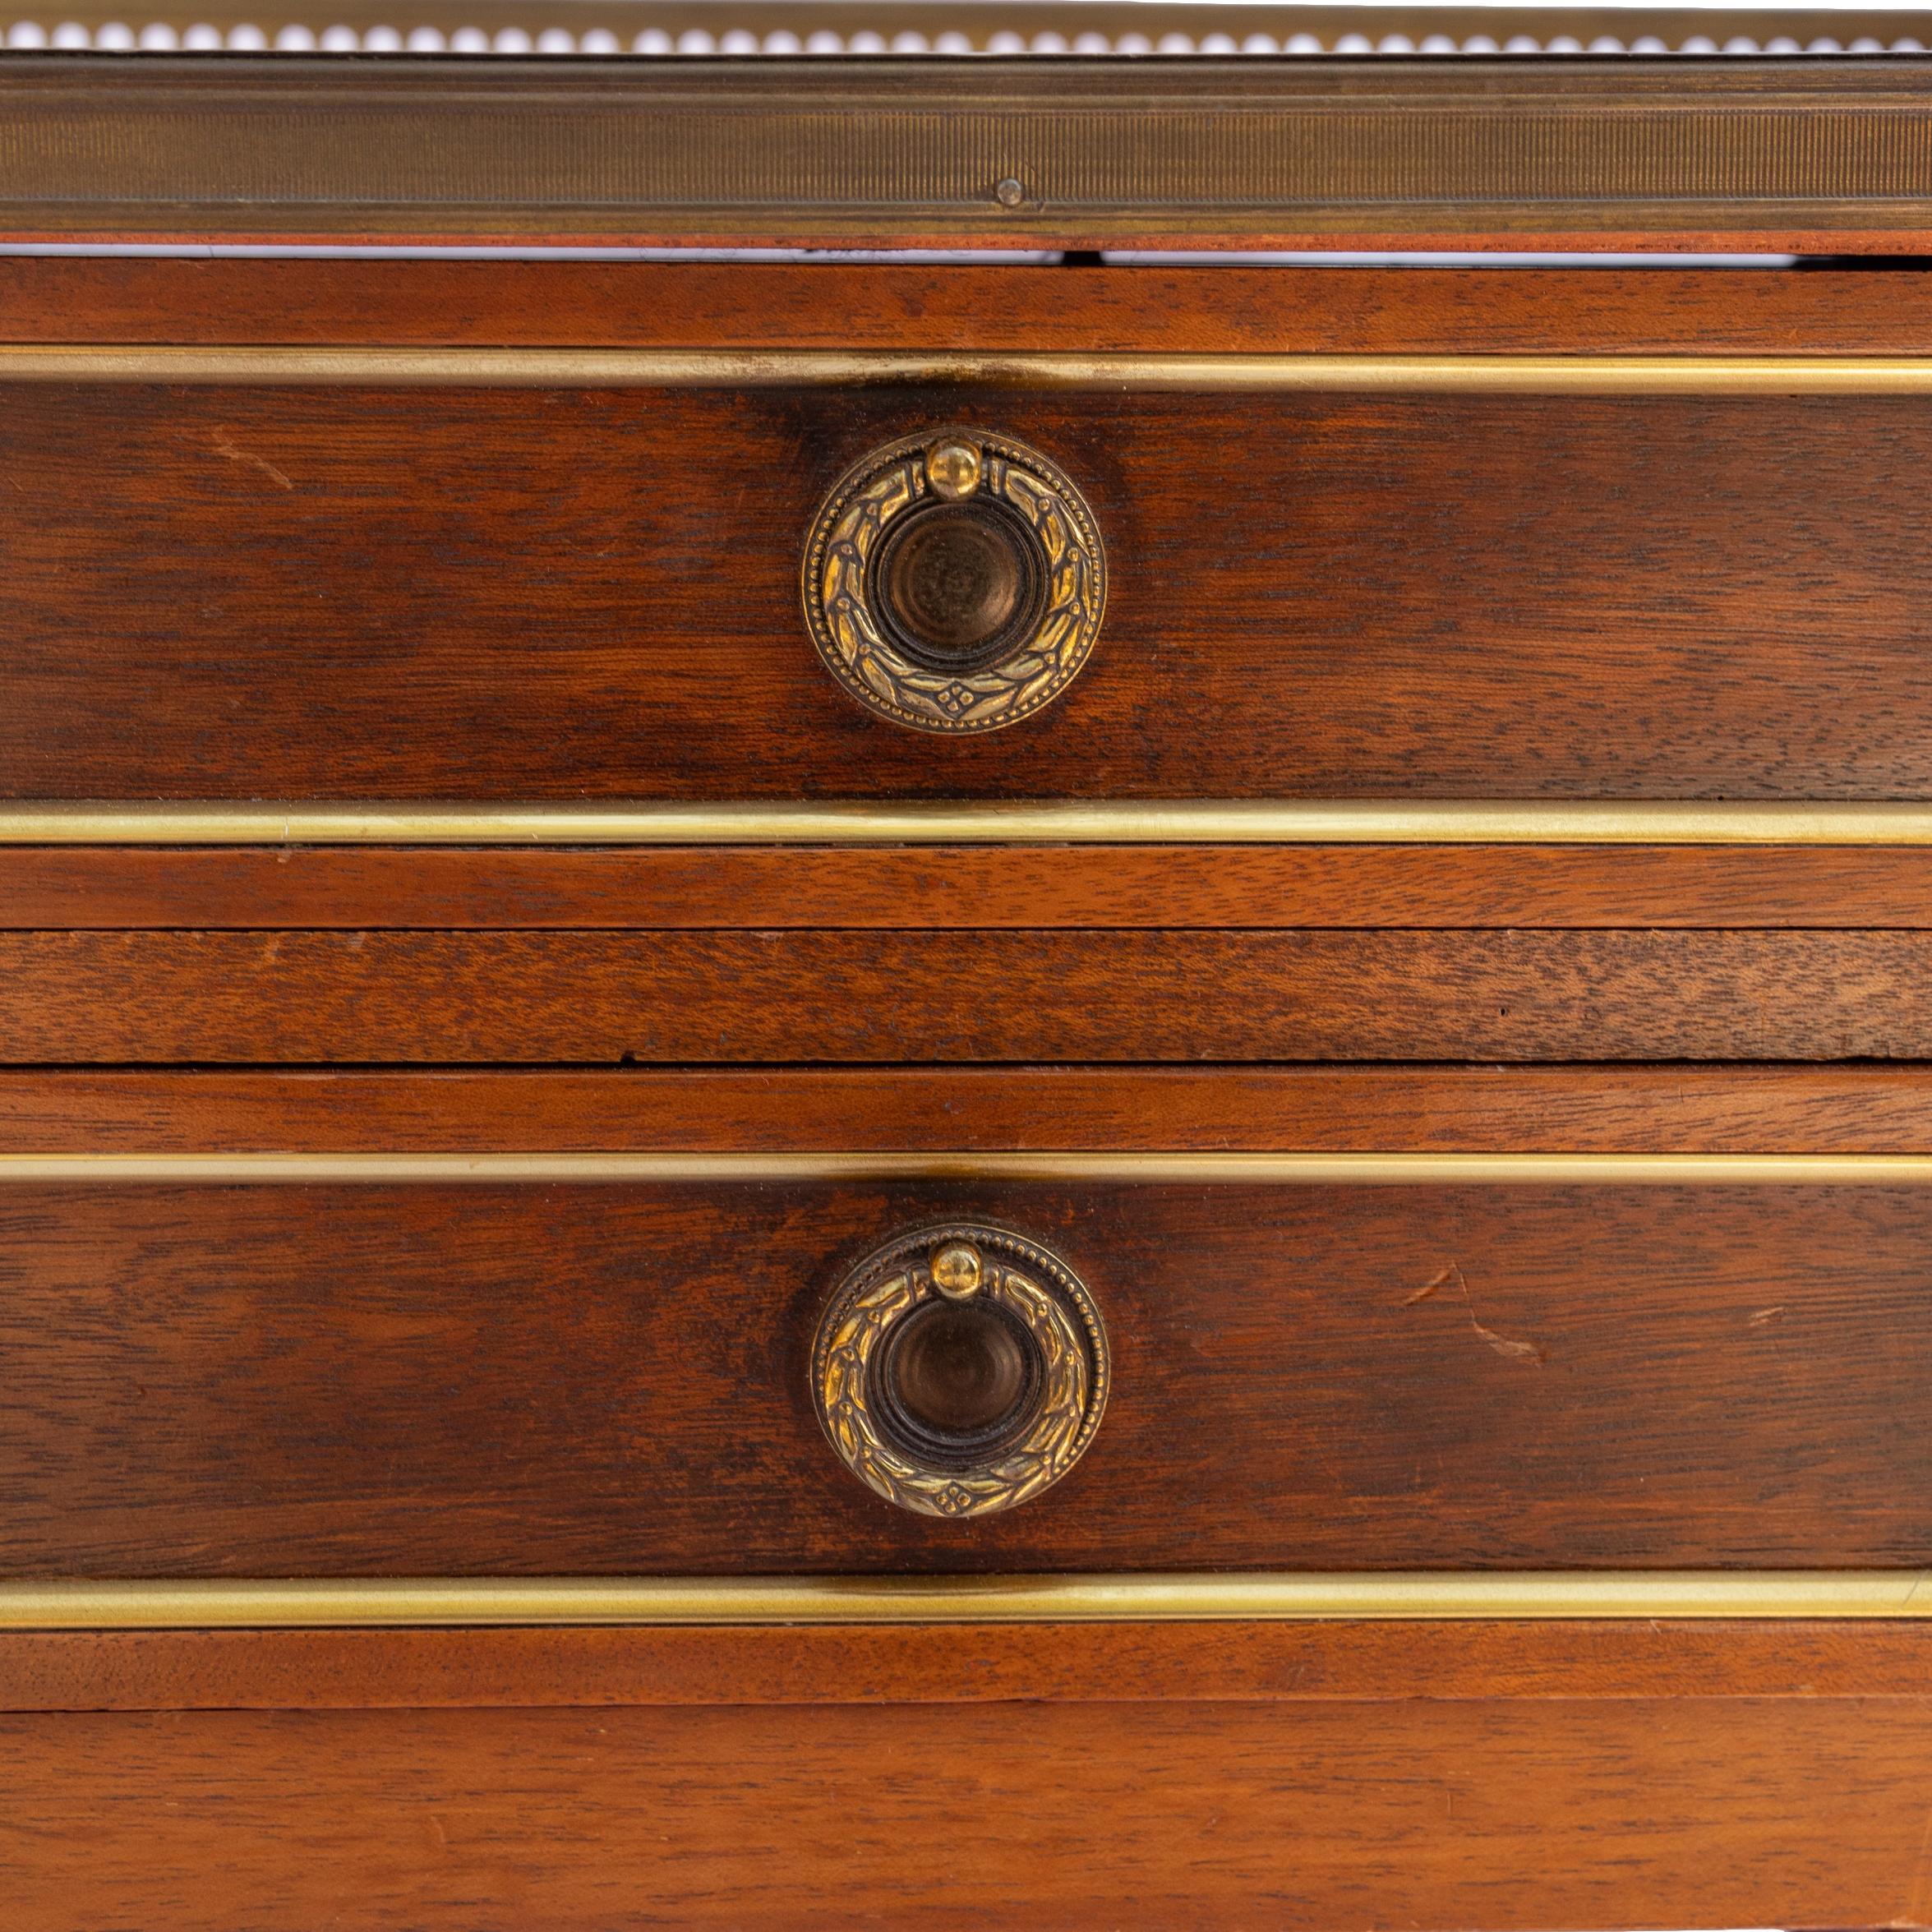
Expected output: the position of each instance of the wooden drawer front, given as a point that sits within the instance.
(1606, 1811)
(477, 1379)
(1379, 1774)
(329, 592)
(774, 996)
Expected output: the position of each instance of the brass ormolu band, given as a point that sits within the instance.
(671, 368)
(1432, 1595)
(113, 821)
(1810, 154)
(1204, 1169)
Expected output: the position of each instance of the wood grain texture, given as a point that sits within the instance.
(1671, 1109)
(912, 305)
(1421, 1815)
(416, 1380)
(1289, 1662)
(947, 887)
(342, 593)
(962, 997)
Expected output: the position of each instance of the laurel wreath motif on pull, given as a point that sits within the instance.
(1025, 519)
(1007, 1273)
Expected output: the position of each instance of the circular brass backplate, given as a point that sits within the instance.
(1048, 1362)
(954, 581)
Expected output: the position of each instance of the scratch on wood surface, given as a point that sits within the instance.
(1506, 1346)
(224, 446)
(1429, 1287)
(1764, 1315)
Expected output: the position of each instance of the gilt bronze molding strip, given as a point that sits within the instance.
(858, 821)
(1334, 1170)
(664, 368)
(1421, 1595)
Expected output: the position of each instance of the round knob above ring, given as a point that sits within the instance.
(960, 1370)
(954, 581)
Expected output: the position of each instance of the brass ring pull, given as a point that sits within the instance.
(955, 581)
(960, 1370)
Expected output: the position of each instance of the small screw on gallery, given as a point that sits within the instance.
(1010, 192)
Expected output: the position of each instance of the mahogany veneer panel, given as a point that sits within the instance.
(1289, 1661)
(339, 593)
(964, 887)
(1151, 1110)
(909, 307)
(980, 996)
(517, 1380)
(1433, 1815)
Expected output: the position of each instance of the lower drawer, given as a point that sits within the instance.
(1290, 1777)
(1355, 1363)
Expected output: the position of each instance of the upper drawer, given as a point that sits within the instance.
(355, 589)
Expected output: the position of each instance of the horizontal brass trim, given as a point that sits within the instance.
(1181, 821)
(593, 368)
(1433, 1595)
(1360, 1170)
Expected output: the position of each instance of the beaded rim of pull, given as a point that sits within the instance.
(1031, 1284)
